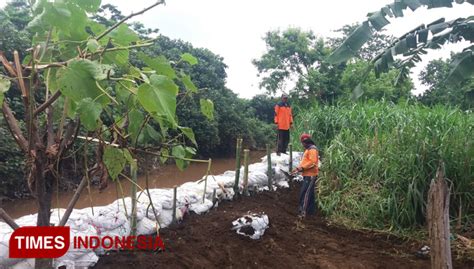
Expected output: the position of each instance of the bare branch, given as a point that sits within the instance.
(14, 128)
(127, 18)
(7, 65)
(48, 102)
(8, 219)
(73, 201)
(46, 66)
(19, 74)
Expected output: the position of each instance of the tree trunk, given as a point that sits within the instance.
(438, 221)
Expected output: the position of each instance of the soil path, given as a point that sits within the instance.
(207, 242)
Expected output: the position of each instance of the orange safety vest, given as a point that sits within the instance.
(309, 162)
(283, 116)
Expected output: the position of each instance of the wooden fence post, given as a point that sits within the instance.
(133, 172)
(238, 152)
(269, 168)
(246, 171)
(205, 179)
(290, 166)
(175, 196)
(438, 221)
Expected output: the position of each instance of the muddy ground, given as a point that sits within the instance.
(207, 242)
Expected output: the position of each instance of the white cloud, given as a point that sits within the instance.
(234, 29)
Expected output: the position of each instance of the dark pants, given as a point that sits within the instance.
(283, 139)
(307, 203)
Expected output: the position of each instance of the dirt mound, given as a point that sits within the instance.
(207, 241)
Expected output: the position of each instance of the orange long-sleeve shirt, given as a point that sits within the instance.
(283, 116)
(309, 162)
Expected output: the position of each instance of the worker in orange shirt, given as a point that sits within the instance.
(283, 121)
(309, 167)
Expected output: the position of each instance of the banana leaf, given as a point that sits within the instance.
(412, 4)
(378, 20)
(422, 35)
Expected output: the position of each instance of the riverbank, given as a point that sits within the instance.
(163, 177)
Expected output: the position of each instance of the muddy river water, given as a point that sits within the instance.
(163, 177)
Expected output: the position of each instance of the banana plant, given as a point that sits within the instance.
(413, 44)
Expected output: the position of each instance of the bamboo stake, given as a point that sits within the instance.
(133, 172)
(175, 196)
(269, 168)
(214, 197)
(237, 165)
(290, 166)
(205, 179)
(246, 171)
(149, 196)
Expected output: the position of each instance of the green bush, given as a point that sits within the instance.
(12, 183)
(379, 160)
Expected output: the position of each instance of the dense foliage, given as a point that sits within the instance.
(204, 80)
(441, 90)
(297, 61)
(379, 159)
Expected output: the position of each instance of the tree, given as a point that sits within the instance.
(441, 91)
(381, 88)
(295, 55)
(412, 44)
(264, 107)
(82, 70)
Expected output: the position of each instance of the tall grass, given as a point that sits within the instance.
(379, 159)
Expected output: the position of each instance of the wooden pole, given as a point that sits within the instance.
(246, 171)
(205, 179)
(214, 198)
(8, 220)
(149, 196)
(438, 221)
(175, 196)
(269, 168)
(73, 201)
(133, 172)
(290, 166)
(238, 151)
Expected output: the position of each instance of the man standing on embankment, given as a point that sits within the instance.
(283, 121)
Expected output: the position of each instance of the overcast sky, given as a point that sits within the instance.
(234, 29)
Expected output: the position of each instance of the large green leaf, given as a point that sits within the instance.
(92, 45)
(89, 113)
(159, 98)
(189, 84)
(152, 135)
(188, 132)
(378, 20)
(89, 5)
(180, 152)
(50, 14)
(136, 119)
(160, 64)
(4, 87)
(123, 35)
(129, 158)
(352, 44)
(188, 57)
(207, 108)
(78, 80)
(462, 67)
(114, 160)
